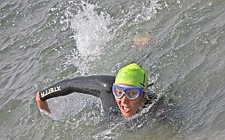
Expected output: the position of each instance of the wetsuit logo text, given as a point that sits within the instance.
(50, 90)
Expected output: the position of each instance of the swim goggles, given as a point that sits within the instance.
(131, 92)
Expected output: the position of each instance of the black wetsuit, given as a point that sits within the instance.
(96, 85)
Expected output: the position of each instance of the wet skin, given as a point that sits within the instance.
(130, 107)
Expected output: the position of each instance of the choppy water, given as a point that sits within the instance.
(43, 42)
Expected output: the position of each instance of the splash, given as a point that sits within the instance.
(90, 29)
(90, 33)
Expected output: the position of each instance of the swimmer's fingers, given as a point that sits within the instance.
(43, 105)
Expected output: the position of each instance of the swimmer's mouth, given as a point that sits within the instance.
(125, 109)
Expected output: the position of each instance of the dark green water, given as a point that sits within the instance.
(43, 42)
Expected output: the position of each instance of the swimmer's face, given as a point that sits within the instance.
(129, 107)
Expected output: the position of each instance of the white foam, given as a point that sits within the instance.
(91, 32)
(90, 29)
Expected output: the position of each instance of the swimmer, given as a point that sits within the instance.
(128, 91)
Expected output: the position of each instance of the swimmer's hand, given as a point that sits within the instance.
(43, 105)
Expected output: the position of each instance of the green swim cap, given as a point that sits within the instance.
(132, 74)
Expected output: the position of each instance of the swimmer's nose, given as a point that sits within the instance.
(124, 99)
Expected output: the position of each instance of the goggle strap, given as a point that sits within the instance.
(151, 84)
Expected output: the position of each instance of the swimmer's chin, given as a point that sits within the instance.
(127, 114)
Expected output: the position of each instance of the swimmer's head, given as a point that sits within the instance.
(128, 89)
(132, 74)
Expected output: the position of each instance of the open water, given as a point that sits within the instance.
(180, 43)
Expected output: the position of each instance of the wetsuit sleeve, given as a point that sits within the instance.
(92, 85)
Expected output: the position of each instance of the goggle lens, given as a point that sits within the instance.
(131, 92)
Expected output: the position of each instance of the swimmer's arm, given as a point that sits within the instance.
(92, 85)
